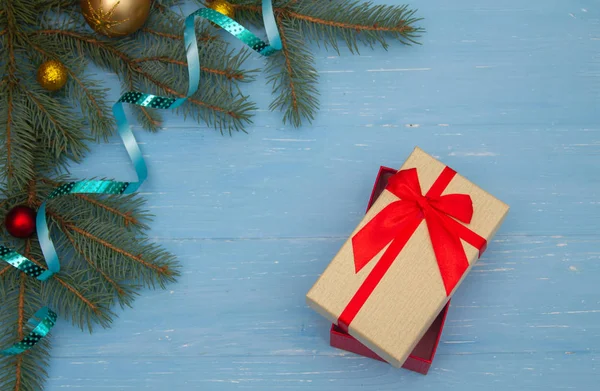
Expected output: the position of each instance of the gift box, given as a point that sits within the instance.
(399, 268)
(421, 358)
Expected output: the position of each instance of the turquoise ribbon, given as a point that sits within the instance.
(48, 318)
(42, 321)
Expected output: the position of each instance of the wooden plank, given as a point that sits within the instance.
(527, 371)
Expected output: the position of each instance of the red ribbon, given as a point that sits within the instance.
(397, 222)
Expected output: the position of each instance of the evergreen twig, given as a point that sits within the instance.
(105, 259)
(323, 22)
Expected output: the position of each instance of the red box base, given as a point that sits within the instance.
(422, 356)
(419, 360)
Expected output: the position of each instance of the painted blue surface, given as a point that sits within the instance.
(505, 92)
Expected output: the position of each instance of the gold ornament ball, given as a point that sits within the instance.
(115, 18)
(52, 75)
(222, 6)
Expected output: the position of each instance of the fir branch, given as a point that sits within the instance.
(231, 118)
(322, 22)
(229, 74)
(27, 371)
(124, 211)
(73, 293)
(18, 144)
(85, 93)
(6, 268)
(128, 218)
(161, 270)
(352, 21)
(111, 248)
(293, 76)
(62, 132)
(20, 324)
(9, 134)
(124, 293)
(161, 34)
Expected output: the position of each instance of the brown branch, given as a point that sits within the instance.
(225, 73)
(21, 319)
(164, 59)
(161, 34)
(400, 28)
(288, 64)
(112, 282)
(9, 109)
(6, 268)
(84, 38)
(161, 269)
(127, 217)
(204, 37)
(136, 68)
(180, 95)
(160, 8)
(68, 226)
(31, 197)
(73, 290)
(12, 69)
(69, 287)
(21, 310)
(20, 332)
(50, 117)
(2, 32)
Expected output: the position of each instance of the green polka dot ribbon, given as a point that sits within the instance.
(46, 317)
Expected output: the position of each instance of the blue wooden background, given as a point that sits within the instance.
(505, 91)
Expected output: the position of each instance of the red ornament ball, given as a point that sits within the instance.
(20, 221)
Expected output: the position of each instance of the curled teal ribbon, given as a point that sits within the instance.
(47, 317)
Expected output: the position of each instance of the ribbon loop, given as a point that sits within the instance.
(380, 231)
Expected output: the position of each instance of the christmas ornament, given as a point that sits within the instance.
(115, 18)
(222, 6)
(113, 187)
(52, 75)
(20, 221)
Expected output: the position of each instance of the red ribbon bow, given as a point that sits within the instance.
(397, 222)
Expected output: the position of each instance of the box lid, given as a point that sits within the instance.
(395, 296)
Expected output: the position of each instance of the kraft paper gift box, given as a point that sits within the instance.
(406, 258)
(421, 358)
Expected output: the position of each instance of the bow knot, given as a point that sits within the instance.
(410, 210)
(423, 203)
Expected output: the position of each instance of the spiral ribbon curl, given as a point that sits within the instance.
(44, 319)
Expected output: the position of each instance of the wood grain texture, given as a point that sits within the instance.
(505, 92)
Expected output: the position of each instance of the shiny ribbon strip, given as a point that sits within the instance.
(396, 224)
(48, 318)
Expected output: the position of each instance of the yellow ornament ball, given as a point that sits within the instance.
(115, 18)
(52, 75)
(222, 6)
